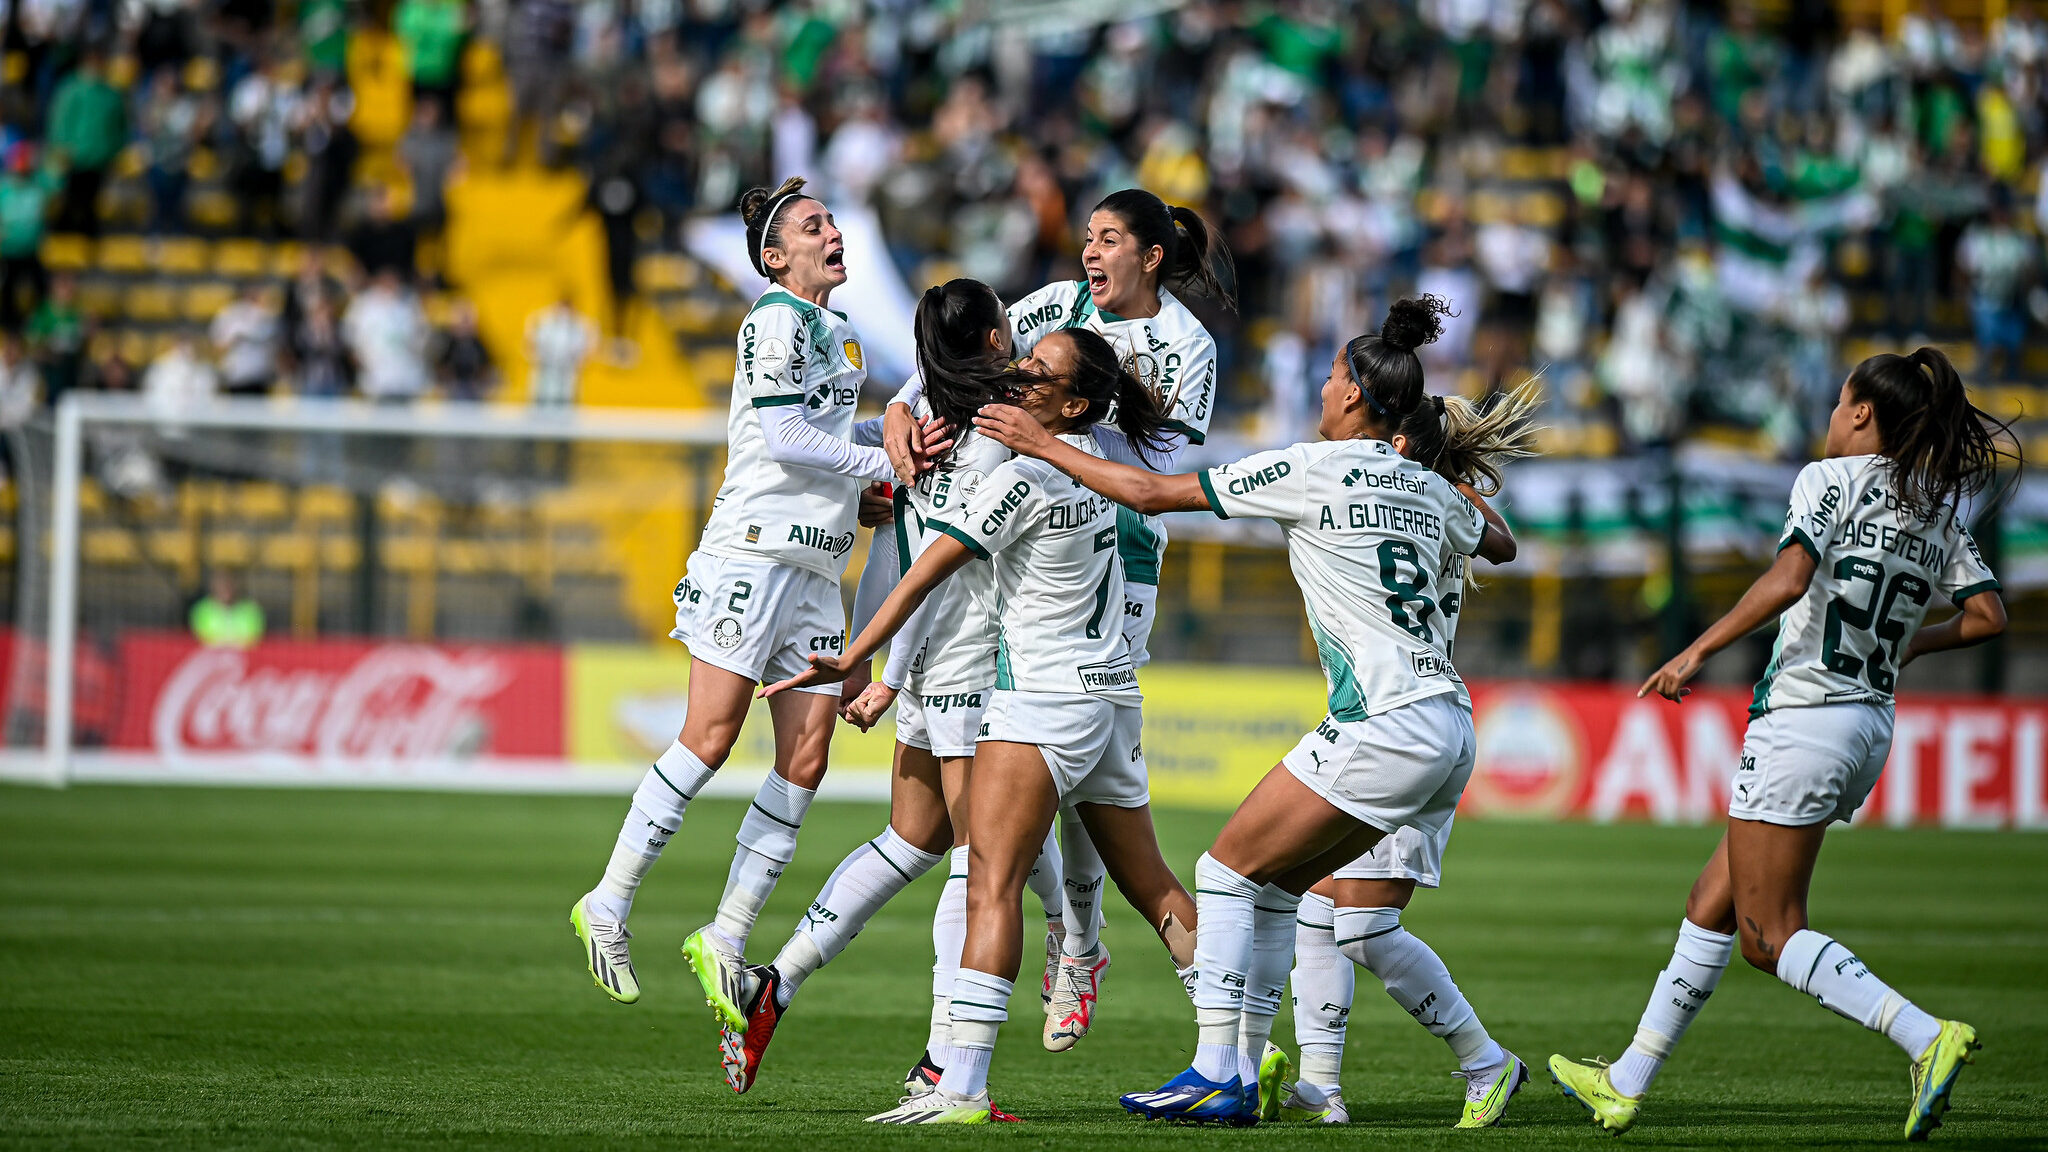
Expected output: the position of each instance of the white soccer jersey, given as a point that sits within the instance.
(1367, 534)
(1170, 353)
(1059, 586)
(1879, 561)
(1450, 603)
(958, 652)
(790, 352)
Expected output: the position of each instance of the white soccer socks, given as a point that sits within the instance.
(1825, 970)
(869, 877)
(1697, 962)
(1048, 879)
(1417, 980)
(1082, 876)
(981, 1003)
(949, 936)
(1324, 984)
(1266, 983)
(767, 840)
(1225, 907)
(656, 814)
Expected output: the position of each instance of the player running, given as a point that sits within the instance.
(1396, 748)
(1063, 725)
(760, 594)
(1354, 917)
(1139, 258)
(946, 656)
(1874, 531)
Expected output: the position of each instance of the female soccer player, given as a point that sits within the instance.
(1395, 749)
(1873, 533)
(1063, 726)
(760, 593)
(1355, 915)
(1139, 257)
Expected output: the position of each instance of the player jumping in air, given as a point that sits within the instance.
(1354, 917)
(1874, 533)
(1139, 257)
(1396, 748)
(1063, 727)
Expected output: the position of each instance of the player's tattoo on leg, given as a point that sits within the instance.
(1762, 945)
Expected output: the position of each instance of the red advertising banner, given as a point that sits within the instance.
(337, 705)
(1596, 752)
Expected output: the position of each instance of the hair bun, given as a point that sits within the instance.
(1412, 323)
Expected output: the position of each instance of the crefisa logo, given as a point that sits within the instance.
(1532, 757)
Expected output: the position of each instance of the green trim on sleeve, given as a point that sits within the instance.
(777, 401)
(1798, 536)
(1209, 490)
(1193, 436)
(944, 528)
(1980, 586)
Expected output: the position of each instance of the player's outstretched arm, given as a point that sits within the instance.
(1134, 488)
(1776, 590)
(1982, 618)
(1498, 545)
(942, 557)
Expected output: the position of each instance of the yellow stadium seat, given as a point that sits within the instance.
(666, 272)
(182, 256)
(241, 258)
(152, 303)
(65, 252)
(123, 254)
(204, 166)
(324, 503)
(204, 301)
(212, 208)
(97, 298)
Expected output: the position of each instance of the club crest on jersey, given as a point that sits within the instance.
(726, 633)
(1145, 367)
(852, 350)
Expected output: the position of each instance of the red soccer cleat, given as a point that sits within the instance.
(739, 1052)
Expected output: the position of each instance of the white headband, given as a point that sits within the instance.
(768, 222)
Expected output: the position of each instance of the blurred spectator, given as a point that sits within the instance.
(537, 63)
(558, 341)
(323, 36)
(88, 127)
(1995, 258)
(20, 383)
(226, 617)
(167, 35)
(386, 332)
(461, 362)
(433, 32)
(56, 336)
(263, 109)
(174, 122)
(383, 242)
(616, 200)
(319, 353)
(179, 377)
(330, 150)
(430, 153)
(311, 284)
(245, 340)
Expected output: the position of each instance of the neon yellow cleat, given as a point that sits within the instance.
(1275, 1072)
(1486, 1099)
(605, 954)
(722, 972)
(1934, 1075)
(1589, 1085)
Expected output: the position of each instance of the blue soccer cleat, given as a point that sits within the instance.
(1189, 1098)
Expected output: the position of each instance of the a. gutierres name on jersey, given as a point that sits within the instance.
(1062, 514)
(1384, 517)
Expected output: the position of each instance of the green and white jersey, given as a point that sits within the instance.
(1170, 353)
(1879, 560)
(1368, 533)
(1059, 586)
(790, 352)
(1450, 602)
(957, 653)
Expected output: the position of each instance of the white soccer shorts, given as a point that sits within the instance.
(1406, 855)
(1404, 768)
(943, 725)
(1808, 765)
(758, 619)
(1093, 745)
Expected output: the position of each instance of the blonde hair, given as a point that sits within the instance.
(1467, 443)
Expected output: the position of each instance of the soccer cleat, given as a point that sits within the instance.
(740, 1050)
(604, 945)
(1074, 991)
(1275, 1071)
(921, 1079)
(1590, 1086)
(722, 972)
(1934, 1075)
(1488, 1091)
(1293, 1106)
(1190, 1099)
(938, 1107)
(1055, 936)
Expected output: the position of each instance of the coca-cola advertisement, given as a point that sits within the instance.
(340, 707)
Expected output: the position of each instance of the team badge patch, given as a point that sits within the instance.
(852, 348)
(771, 354)
(726, 633)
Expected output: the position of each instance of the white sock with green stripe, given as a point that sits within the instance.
(949, 935)
(1418, 981)
(1082, 875)
(656, 815)
(767, 840)
(1224, 909)
(981, 1003)
(1324, 983)
(1822, 968)
(869, 877)
(1697, 962)
(1266, 983)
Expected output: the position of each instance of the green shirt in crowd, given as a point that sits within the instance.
(218, 625)
(24, 208)
(88, 121)
(431, 31)
(323, 30)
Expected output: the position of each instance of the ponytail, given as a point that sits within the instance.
(760, 209)
(1943, 448)
(953, 355)
(1467, 443)
(1383, 364)
(1099, 378)
(1196, 261)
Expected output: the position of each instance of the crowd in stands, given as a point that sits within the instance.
(1679, 210)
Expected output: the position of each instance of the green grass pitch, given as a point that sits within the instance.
(289, 969)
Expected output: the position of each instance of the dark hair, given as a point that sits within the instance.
(952, 326)
(1384, 365)
(1099, 378)
(1943, 447)
(760, 208)
(1196, 262)
(1466, 443)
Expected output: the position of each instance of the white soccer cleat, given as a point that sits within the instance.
(605, 952)
(1294, 1105)
(938, 1106)
(1074, 992)
(723, 974)
(1055, 936)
